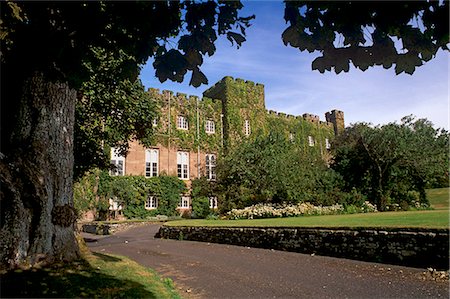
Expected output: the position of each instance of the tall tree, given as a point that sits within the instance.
(404, 34)
(46, 49)
(385, 162)
(271, 168)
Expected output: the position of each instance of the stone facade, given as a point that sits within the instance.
(411, 247)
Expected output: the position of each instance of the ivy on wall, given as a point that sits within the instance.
(93, 191)
(197, 112)
(235, 100)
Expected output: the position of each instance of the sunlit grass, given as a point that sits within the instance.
(438, 218)
(426, 219)
(439, 198)
(95, 276)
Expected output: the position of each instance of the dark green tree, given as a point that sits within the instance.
(271, 168)
(386, 162)
(110, 112)
(404, 34)
(201, 190)
(49, 50)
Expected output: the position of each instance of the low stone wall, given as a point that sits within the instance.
(410, 247)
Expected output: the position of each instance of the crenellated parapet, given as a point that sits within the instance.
(311, 118)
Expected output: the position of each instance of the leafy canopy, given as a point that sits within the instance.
(271, 168)
(404, 34)
(99, 48)
(387, 162)
(62, 34)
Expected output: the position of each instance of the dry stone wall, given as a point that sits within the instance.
(410, 247)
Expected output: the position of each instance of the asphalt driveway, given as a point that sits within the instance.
(204, 270)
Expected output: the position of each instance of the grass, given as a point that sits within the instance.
(439, 198)
(95, 276)
(438, 218)
(425, 219)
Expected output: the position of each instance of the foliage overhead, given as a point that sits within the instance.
(101, 57)
(110, 112)
(388, 162)
(61, 34)
(404, 34)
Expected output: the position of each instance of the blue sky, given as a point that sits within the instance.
(376, 95)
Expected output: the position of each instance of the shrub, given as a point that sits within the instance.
(169, 196)
(93, 191)
(283, 210)
(200, 207)
(352, 209)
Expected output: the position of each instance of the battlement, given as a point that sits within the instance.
(336, 117)
(311, 117)
(175, 96)
(247, 97)
(217, 90)
(306, 116)
(336, 114)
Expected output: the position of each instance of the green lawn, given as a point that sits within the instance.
(96, 276)
(428, 219)
(438, 218)
(439, 198)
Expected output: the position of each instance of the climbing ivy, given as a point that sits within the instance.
(93, 191)
(180, 105)
(235, 100)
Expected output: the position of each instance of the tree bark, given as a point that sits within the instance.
(37, 213)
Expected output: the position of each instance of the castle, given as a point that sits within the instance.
(191, 133)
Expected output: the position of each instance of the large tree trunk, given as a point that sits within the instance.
(37, 214)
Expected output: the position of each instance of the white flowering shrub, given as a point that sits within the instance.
(367, 207)
(284, 210)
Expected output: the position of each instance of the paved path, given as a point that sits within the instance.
(203, 270)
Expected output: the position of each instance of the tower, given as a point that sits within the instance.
(243, 108)
(336, 117)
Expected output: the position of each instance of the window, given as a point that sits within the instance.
(182, 122)
(151, 162)
(184, 202)
(210, 166)
(114, 204)
(210, 127)
(183, 165)
(311, 141)
(151, 203)
(117, 163)
(247, 127)
(327, 143)
(213, 202)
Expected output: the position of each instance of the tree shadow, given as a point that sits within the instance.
(106, 258)
(76, 279)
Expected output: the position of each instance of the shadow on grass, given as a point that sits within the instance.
(76, 279)
(106, 258)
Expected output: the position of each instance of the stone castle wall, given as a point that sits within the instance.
(228, 103)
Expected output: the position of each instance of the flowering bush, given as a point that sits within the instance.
(367, 207)
(285, 210)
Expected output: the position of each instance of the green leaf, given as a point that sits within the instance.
(238, 38)
(198, 78)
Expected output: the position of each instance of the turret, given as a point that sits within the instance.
(336, 117)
